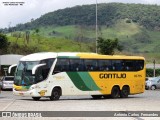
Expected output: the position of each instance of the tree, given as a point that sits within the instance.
(3, 43)
(37, 35)
(108, 46)
(27, 36)
(37, 30)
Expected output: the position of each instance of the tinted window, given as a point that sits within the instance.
(104, 65)
(139, 65)
(129, 65)
(97, 65)
(77, 65)
(48, 62)
(44, 70)
(118, 65)
(91, 65)
(61, 65)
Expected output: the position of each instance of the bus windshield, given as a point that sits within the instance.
(24, 76)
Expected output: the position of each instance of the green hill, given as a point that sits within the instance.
(133, 37)
(108, 14)
(136, 26)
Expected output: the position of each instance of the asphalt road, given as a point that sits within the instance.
(148, 101)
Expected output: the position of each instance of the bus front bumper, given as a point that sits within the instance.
(31, 93)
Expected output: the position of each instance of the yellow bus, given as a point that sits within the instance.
(52, 75)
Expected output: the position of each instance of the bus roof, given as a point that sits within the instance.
(47, 55)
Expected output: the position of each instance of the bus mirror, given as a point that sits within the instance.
(10, 67)
(37, 66)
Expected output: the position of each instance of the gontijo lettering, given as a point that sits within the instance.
(111, 75)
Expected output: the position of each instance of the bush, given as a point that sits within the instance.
(149, 72)
(128, 21)
(3, 44)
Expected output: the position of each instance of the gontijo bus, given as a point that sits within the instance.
(55, 74)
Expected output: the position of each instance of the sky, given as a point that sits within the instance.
(22, 11)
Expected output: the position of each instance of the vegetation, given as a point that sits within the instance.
(3, 44)
(108, 14)
(39, 43)
(136, 26)
(149, 72)
(108, 46)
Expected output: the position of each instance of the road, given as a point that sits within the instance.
(148, 101)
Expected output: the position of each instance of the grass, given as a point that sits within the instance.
(134, 38)
(43, 44)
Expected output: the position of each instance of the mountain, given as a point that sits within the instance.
(136, 26)
(108, 14)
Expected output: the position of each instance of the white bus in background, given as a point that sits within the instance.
(55, 74)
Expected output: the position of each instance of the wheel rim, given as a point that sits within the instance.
(115, 93)
(153, 87)
(125, 92)
(56, 94)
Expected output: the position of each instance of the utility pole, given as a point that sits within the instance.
(96, 29)
(154, 71)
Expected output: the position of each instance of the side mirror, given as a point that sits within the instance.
(36, 67)
(10, 67)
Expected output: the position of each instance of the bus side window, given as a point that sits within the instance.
(76, 65)
(91, 65)
(117, 65)
(104, 65)
(139, 65)
(45, 69)
(61, 65)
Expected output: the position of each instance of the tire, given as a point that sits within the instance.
(0, 89)
(36, 98)
(153, 87)
(1, 86)
(146, 88)
(56, 93)
(96, 96)
(124, 92)
(115, 93)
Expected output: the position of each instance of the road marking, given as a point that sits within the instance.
(8, 105)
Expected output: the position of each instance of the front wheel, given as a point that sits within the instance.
(36, 98)
(55, 94)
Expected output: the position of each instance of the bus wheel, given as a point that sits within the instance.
(124, 92)
(36, 98)
(96, 96)
(55, 94)
(115, 92)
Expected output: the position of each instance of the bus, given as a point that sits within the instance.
(52, 75)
